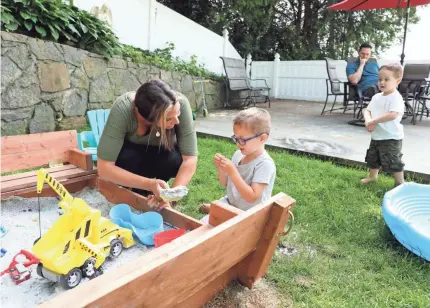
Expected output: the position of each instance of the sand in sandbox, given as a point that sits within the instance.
(21, 218)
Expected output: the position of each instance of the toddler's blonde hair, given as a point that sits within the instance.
(396, 68)
(256, 119)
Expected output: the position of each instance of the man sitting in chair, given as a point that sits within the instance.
(364, 73)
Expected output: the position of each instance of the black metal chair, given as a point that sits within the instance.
(422, 98)
(413, 77)
(238, 81)
(335, 87)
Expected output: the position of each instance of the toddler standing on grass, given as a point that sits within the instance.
(382, 119)
(250, 175)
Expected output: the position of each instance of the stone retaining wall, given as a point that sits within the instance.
(47, 86)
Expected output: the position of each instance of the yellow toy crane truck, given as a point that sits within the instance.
(80, 240)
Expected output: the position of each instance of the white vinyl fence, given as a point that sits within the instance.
(300, 80)
(149, 25)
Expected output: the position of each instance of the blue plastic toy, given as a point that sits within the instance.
(144, 226)
(3, 231)
(406, 210)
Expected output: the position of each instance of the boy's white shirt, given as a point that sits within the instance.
(382, 104)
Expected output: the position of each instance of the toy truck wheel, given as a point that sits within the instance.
(71, 279)
(39, 270)
(115, 248)
(89, 268)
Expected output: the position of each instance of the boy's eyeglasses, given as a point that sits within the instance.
(243, 141)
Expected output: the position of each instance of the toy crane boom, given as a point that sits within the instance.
(66, 198)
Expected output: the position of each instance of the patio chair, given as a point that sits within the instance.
(360, 100)
(336, 88)
(422, 100)
(238, 81)
(88, 141)
(98, 119)
(410, 87)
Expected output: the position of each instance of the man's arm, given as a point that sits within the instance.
(355, 77)
(186, 171)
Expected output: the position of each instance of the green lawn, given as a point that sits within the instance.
(347, 257)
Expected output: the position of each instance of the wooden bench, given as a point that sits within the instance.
(72, 167)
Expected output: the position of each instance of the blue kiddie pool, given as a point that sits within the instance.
(144, 226)
(406, 210)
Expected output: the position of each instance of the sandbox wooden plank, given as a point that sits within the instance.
(31, 181)
(221, 212)
(117, 194)
(27, 160)
(29, 192)
(205, 294)
(29, 151)
(256, 264)
(48, 192)
(80, 159)
(37, 142)
(23, 175)
(182, 270)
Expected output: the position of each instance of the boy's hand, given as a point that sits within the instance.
(227, 166)
(217, 160)
(370, 125)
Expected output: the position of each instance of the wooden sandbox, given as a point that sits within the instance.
(184, 273)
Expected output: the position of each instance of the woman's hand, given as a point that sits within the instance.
(156, 203)
(157, 185)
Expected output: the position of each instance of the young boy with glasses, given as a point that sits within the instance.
(250, 175)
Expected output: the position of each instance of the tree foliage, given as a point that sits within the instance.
(61, 22)
(296, 29)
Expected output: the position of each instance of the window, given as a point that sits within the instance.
(78, 234)
(66, 248)
(87, 228)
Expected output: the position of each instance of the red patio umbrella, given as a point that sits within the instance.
(358, 5)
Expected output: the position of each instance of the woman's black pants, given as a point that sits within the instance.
(149, 161)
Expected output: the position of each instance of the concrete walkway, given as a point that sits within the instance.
(298, 125)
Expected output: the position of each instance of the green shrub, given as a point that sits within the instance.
(66, 24)
(163, 58)
(55, 20)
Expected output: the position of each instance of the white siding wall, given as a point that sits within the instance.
(148, 24)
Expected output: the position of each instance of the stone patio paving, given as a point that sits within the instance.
(298, 125)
